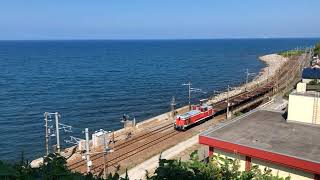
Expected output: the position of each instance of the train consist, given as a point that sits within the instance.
(198, 114)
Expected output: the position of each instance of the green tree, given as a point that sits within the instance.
(53, 168)
(218, 168)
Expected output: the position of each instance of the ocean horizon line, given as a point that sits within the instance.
(161, 39)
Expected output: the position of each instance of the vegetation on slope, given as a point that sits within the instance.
(218, 167)
(54, 168)
(291, 53)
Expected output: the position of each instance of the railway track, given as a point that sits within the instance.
(124, 151)
(125, 144)
(147, 140)
(132, 147)
(114, 161)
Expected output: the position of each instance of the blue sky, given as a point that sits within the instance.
(158, 19)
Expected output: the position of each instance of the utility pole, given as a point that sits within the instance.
(268, 73)
(228, 104)
(113, 137)
(47, 133)
(105, 152)
(173, 104)
(189, 86)
(58, 126)
(104, 156)
(192, 90)
(134, 121)
(247, 78)
(87, 150)
(57, 131)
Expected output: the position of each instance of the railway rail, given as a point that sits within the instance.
(123, 145)
(131, 152)
(132, 147)
(149, 139)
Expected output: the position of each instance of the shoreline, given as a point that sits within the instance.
(273, 63)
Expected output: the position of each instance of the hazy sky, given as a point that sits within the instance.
(158, 19)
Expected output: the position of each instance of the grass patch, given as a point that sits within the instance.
(238, 114)
(291, 53)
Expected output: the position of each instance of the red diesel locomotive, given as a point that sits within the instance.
(197, 114)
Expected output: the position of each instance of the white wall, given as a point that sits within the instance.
(242, 159)
(306, 80)
(282, 171)
(301, 109)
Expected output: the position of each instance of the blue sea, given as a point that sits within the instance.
(93, 83)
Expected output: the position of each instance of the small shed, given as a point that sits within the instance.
(309, 74)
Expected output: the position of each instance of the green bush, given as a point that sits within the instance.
(314, 82)
(53, 168)
(291, 53)
(218, 167)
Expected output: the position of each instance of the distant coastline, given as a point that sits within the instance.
(272, 63)
(95, 82)
(164, 39)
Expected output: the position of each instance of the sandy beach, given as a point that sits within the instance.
(273, 63)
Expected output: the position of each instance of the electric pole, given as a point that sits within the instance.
(228, 104)
(87, 150)
(57, 131)
(58, 126)
(268, 73)
(104, 156)
(189, 93)
(173, 104)
(192, 90)
(247, 78)
(47, 133)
